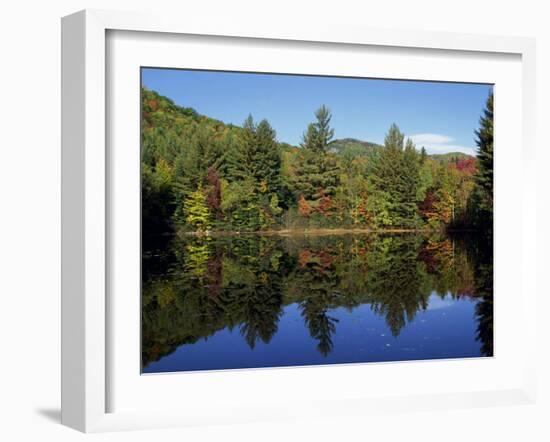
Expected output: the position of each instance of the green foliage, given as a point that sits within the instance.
(201, 174)
(395, 181)
(256, 156)
(423, 155)
(196, 212)
(324, 132)
(243, 282)
(394, 139)
(157, 193)
(449, 157)
(316, 173)
(482, 197)
(353, 147)
(319, 134)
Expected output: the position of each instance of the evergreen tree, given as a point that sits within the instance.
(394, 138)
(240, 157)
(423, 155)
(324, 132)
(310, 139)
(394, 181)
(411, 182)
(482, 196)
(257, 157)
(267, 159)
(317, 172)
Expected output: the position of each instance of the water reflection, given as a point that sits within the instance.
(260, 289)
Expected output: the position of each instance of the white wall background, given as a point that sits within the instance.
(30, 216)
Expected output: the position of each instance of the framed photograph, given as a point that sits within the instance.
(269, 222)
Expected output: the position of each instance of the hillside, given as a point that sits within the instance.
(346, 143)
(355, 147)
(450, 156)
(201, 174)
(158, 110)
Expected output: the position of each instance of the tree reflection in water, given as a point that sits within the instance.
(203, 285)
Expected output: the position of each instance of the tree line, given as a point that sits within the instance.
(199, 175)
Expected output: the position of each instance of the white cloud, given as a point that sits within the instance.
(430, 139)
(436, 303)
(437, 143)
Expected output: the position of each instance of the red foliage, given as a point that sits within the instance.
(325, 258)
(320, 261)
(427, 257)
(153, 104)
(214, 197)
(426, 207)
(325, 205)
(465, 165)
(214, 277)
(466, 292)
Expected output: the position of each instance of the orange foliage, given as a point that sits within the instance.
(325, 258)
(325, 205)
(304, 257)
(303, 207)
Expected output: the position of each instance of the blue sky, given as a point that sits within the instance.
(440, 116)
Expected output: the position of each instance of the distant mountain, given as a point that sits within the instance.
(160, 111)
(450, 156)
(359, 147)
(353, 146)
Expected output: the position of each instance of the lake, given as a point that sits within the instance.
(252, 300)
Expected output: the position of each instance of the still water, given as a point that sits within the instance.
(246, 301)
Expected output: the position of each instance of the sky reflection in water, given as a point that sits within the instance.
(268, 301)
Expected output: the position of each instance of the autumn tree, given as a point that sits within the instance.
(213, 198)
(251, 181)
(196, 211)
(303, 207)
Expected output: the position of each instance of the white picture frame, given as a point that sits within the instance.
(87, 207)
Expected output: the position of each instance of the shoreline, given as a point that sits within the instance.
(319, 232)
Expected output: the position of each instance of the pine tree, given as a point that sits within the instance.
(256, 157)
(310, 139)
(324, 132)
(317, 173)
(480, 201)
(411, 182)
(394, 181)
(483, 191)
(267, 159)
(394, 138)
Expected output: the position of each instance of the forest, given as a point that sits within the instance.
(239, 228)
(200, 175)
